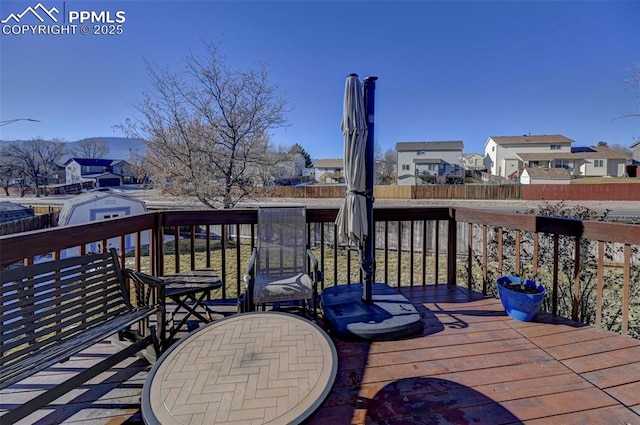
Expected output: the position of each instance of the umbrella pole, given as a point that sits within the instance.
(368, 263)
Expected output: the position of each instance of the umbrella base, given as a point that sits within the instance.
(389, 317)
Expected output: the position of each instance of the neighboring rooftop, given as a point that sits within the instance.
(430, 146)
(531, 139)
(330, 163)
(548, 173)
(579, 152)
(10, 211)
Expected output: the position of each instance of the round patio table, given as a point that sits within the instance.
(258, 368)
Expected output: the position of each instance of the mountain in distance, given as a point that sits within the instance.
(118, 146)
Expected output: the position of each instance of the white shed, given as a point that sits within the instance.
(96, 206)
(537, 175)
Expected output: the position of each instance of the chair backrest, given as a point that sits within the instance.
(282, 242)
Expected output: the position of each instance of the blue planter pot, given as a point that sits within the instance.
(519, 305)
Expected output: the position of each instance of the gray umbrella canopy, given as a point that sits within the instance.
(352, 217)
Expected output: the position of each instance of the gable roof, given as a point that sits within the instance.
(71, 204)
(578, 152)
(454, 145)
(531, 139)
(603, 152)
(88, 162)
(547, 173)
(329, 163)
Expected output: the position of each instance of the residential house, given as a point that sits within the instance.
(472, 161)
(287, 169)
(634, 164)
(429, 162)
(501, 153)
(635, 148)
(330, 170)
(103, 172)
(538, 175)
(581, 161)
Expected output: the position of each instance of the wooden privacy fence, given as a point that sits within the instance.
(37, 222)
(568, 192)
(510, 191)
(583, 192)
(397, 192)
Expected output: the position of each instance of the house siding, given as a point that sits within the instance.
(410, 154)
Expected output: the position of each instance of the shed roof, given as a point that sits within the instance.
(86, 198)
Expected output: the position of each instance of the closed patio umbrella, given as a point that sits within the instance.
(352, 217)
(381, 312)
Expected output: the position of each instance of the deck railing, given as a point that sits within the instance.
(590, 269)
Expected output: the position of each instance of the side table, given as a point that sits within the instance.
(190, 286)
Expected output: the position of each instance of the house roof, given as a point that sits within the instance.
(455, 145)
(10, 211)
(548, 156)
(636, 143)
(531, 139)
(602, 152)
(580, 152)
(426, 161)
(548, 173)
(95, 162)
(329, 163)
(470, 155)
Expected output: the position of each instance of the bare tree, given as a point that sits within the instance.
(93, 148)
(618, 148)
(207, 129)
(386, 165)
(137, 161)
(7, 172)
(34, 160)
(634, 84)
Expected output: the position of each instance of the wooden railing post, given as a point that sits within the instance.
(452, 247)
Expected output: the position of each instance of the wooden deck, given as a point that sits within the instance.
(473, 364)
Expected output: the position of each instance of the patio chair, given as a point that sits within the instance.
(282, 269)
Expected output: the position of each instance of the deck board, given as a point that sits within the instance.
(472, 363)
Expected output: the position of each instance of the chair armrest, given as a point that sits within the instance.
(318, 276)
(314, 260)
(251, 267)
(155, 285)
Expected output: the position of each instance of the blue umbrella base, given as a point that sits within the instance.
(389, 317)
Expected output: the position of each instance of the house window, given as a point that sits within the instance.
(598, 163)
(405, 167)
(562, 163)
(555, 147)
(493, 148)
(421, 152)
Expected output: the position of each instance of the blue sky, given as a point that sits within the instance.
(447, 70)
